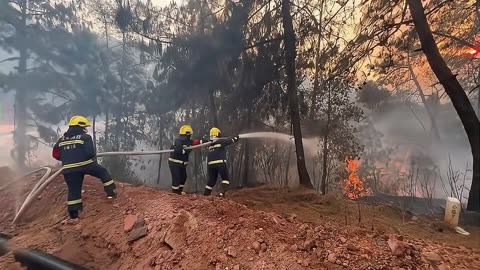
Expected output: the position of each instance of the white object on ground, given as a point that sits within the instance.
(461, 231)
(452, 211)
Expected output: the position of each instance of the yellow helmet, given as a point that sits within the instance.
(215, 132)
(80, 121)
(186, 129)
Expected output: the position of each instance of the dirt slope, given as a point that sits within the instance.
(195, 232)
(383, 218)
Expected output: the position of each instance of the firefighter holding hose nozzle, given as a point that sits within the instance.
(217, 161)
(179, 158)
(76, 151)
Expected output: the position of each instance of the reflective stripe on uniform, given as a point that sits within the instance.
(178, 161)
(217, 161)
(208, 187)
(215, 146)
(108, 183)
(78, 164)
(70, 142)
(74, 202)
(175, 187)
(226, 182)
(182, 186)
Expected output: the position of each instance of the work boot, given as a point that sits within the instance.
(176, 191)
(72, 221)
(207, 192)
(111, 195)
(73, 214)
(224, 190)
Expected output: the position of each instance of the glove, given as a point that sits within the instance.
(235, 138)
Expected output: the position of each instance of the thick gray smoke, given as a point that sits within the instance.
(408, 133)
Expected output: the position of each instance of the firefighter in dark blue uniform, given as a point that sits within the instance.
(76, 151)
(179, 158)
(217, 161)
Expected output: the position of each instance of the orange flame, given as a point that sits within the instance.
(354, 187)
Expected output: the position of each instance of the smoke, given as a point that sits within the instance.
(406, 130)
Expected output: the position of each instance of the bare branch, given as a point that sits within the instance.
(260, 43)
(149, 37)
(459, 40)
(435, 9)
(37, 14)
(10, 59)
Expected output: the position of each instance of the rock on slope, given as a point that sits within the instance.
(150, 229)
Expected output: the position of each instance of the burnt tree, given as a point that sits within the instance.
(456, 93)
(290, 56)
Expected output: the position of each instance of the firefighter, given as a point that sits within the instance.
(76, 151)
(179, 158)
(217, 161)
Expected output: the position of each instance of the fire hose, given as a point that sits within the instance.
(48, 171)
(46, 179)
(44, 182)
(36, 260)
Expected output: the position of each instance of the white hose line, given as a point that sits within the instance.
(39, 182)
(142, 153)
(34, 193)
(49, 170)
(43, 183)
(136, 153)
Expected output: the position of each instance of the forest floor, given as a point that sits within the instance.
(253, 228)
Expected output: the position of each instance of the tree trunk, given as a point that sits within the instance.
(20, 109)
(323, 186)
(94, 133)
(161, 156)
(105, 24)
(478, 16)
(433, 123)
(290, 55)
(107, 122)
(213, 108)
(246, 166)
(457, 95)
(325, 145)
(478, 89)
(316, 76)
(20, 120)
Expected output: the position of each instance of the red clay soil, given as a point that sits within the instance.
(6, 175)
(146, 228)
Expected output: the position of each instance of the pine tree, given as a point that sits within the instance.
(30, 30)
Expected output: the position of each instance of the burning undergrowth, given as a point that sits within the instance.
(354, 186)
